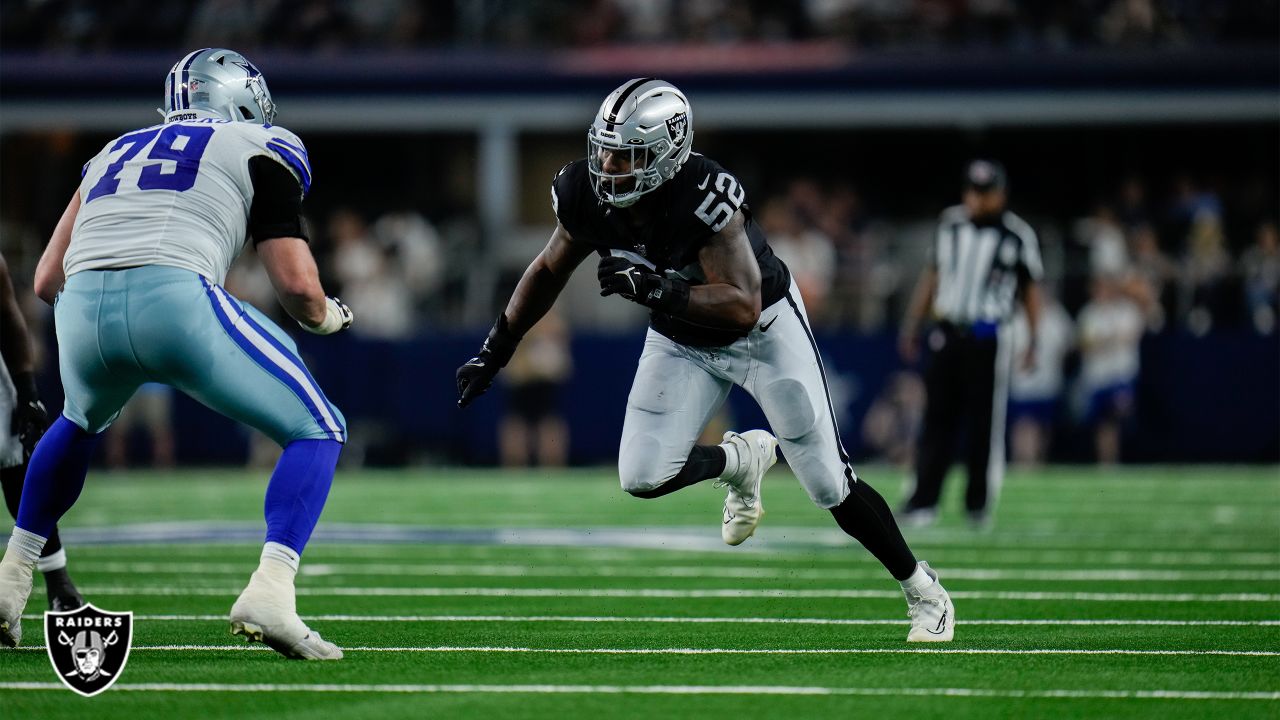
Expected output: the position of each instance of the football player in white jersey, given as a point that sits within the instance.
(134, 271)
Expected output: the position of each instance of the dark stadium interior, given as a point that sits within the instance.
(1072, 96)
(1019, 451)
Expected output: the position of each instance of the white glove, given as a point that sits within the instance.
(337, 316)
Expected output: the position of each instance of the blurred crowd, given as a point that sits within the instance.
(1190, 257)
(1195, 257)
(1136, 265)
(397, 267)
(340, 25)
(1174, 255)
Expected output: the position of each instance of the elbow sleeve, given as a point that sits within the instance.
(277, 201)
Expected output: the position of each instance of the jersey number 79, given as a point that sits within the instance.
(183, 144)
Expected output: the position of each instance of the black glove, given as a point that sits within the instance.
(620, 276)
(29, 419)
(476, 375)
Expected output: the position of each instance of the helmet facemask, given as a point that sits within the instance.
(643, 159)
(262, 98)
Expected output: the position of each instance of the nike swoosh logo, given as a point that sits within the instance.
(765, 327)
(942, 624)
(705, 180)
(728, 515)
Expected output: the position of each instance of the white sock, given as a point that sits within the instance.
(732, 460)
(279, 561)
(918, 581)
(56, 561)
(24, 546)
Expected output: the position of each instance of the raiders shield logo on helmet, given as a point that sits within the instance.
(88, 647)
(677, 126)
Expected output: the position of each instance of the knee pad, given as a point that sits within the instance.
(791, 414)
(642, 467)
(95, 424)
(825, 483)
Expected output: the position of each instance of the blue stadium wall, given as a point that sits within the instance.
(1209, 399)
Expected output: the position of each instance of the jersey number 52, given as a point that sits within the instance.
(727, 196)
(184, 145)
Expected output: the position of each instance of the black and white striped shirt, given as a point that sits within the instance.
(980, 266)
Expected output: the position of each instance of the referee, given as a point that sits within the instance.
(983, 260)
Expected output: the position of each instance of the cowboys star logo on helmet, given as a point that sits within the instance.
(88, 647)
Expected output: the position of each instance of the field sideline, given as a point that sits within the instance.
(1137, 592)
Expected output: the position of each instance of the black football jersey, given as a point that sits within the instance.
(681, 216)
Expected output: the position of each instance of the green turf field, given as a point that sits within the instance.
(1149, 592)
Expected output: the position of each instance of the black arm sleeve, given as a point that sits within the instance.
(277, 201)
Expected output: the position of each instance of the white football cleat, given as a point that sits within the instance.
(266, 612)
(933, 617)
(757, 452)
(15, 588)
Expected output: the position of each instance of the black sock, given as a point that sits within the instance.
(53, 544)
(58, 579)
(705, 462)
(11, 480)
(866, 517)
(62, 593)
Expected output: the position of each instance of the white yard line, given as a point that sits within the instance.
(1058, 533)
(669, 690)
(726, 651)
(689, 571)
(322, 549)
(693, 593)
(1106, 622)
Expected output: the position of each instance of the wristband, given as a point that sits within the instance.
(501, 343)
(668, 296)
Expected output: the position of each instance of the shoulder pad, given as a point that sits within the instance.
(567, 184)
(708, 193)
(289, 149)
(280, 132)
(699, 165)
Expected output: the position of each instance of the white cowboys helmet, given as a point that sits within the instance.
(215, 82)
(649, 120)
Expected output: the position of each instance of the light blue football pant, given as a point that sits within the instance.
(118, 329)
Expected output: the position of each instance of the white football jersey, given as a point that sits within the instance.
(176, 194)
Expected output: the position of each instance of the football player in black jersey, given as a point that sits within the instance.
(26, 419)
(674, 233)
